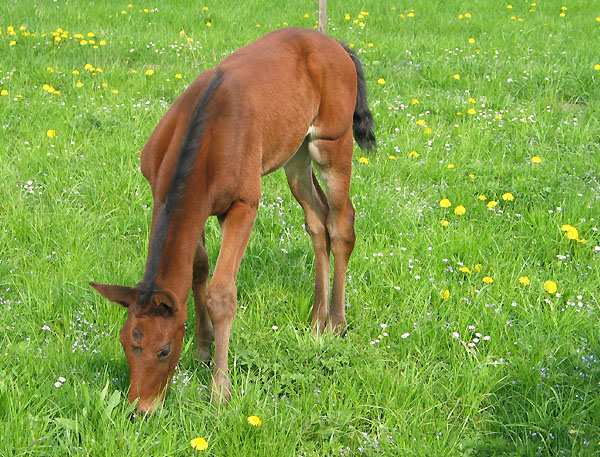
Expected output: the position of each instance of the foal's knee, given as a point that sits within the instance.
(221, 302)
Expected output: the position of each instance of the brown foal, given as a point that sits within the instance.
(291, 99)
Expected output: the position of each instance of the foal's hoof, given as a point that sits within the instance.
(220, 394)
(337, 326)
(203, 355)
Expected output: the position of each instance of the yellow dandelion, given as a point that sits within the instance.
(199, 444)
(347, 16)
(149, 72)
(466, 270)
(597, 67)
(472, 100)
(392, 157)
(205, 8)
(471, 40)
(178, 76)
(492, 203)
(445, 203)
(414, 154)
(78, 84)
(254, 421)
(482, 197)
(488, 279)
(445, 294)
(498, 116)
(415, 101)
(102, 42)
(572, 233)
(428, 131)
(51, 133)
(525, 280)
(471, 175)
(208, 24)
(456, 76)
(551, 287)
(444, 223)
(509, 6)
(472, 111)
(306, 15)
(451, 166)
(468, 15)
(460, 210)
(381, 81)
(508, 197)
(363, 160)
(421, 122)
(115, 91)
(478, 267)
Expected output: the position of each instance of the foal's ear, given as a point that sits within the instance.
(164, 302)
(122, 295)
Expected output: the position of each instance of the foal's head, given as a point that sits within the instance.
(151, 337)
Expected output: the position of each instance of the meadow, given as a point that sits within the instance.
(473, 291)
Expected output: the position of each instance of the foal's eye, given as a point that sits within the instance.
(164, 352)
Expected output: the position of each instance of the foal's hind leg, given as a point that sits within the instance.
(313, 201)
(204, 327)
(333, 160)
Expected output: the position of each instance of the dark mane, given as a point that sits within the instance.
(185, 164)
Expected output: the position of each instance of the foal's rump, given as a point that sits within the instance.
(288, 81)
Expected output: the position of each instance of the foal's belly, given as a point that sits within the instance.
(275, 158)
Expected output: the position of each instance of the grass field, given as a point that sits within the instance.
(473, 291)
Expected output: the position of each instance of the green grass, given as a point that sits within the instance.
(495, 369)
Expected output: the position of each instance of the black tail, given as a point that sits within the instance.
(362, 125)
(185, 163)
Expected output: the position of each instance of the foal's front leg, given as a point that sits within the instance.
(204, 328)
(222, 292)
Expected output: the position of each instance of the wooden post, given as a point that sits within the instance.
(323, 16)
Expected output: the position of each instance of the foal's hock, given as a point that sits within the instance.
(291, 99)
